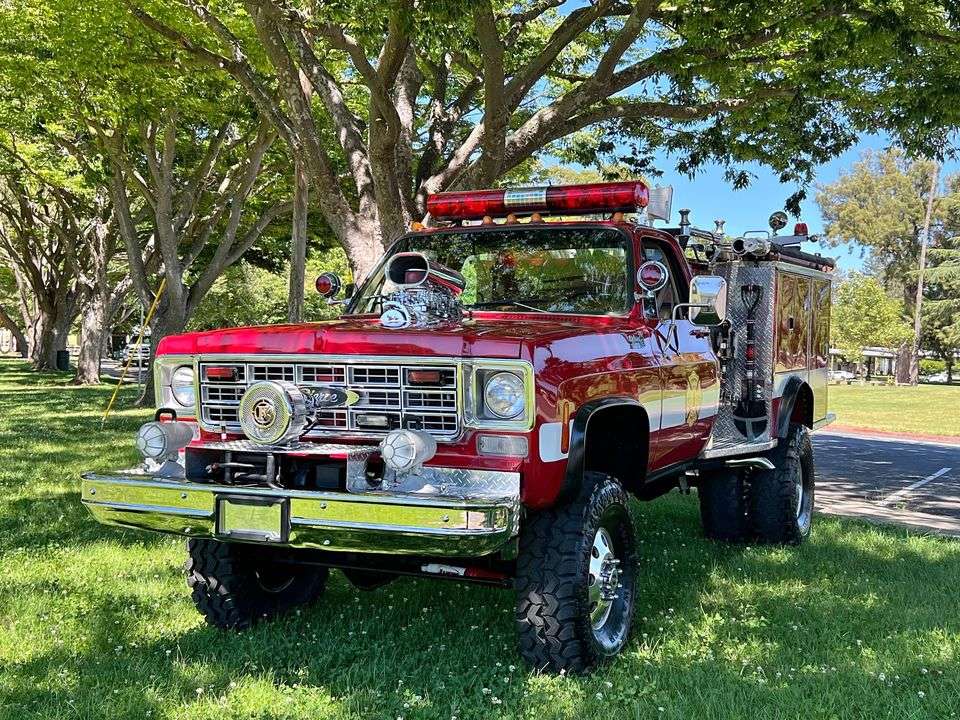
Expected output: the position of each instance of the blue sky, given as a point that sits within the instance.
(709, 197)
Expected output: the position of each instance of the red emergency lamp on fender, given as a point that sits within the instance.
(628, 196)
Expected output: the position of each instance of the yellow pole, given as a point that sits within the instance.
(123, 374)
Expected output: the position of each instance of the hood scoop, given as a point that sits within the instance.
(427, 293)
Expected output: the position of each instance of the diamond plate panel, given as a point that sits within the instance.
(438, 481)
(738, 273)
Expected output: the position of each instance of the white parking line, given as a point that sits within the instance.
(899, 494)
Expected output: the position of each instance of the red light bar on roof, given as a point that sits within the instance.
(628, 196)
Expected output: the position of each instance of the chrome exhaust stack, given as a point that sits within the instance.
(752, 246)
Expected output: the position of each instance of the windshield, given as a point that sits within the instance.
(543, 269)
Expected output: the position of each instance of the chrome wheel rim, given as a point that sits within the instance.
(799, 495)
(603, 582)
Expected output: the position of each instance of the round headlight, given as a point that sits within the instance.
(182, 386)
(503, 395)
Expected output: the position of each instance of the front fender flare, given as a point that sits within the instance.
(576, 458)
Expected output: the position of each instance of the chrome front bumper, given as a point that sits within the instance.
(376, 522)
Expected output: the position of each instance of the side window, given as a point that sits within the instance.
(662, 306)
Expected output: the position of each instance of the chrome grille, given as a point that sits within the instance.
(390, 397)
(272, 372)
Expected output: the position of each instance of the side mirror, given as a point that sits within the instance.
(328, 285)
(708, 300)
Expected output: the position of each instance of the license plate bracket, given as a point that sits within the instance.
(259, 519)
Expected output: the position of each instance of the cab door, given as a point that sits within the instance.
(689, 379)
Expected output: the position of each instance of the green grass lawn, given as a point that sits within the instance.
(96, 622)
(932, 409)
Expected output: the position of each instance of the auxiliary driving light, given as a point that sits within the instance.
(163, 440)
(405, 450)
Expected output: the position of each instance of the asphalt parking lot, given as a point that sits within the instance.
(910, 483)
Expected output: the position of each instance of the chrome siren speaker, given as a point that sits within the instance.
(273, 413)
(406, 450)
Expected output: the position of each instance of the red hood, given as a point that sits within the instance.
(500, 337)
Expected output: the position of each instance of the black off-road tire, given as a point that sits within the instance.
(554, 623)
(774, 494)
(235, 585)
(368, 580)
(723, 505)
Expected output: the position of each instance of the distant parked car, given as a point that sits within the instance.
(140, 353)
(940, 377)
(842, 375)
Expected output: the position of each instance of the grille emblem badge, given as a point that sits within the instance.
(264, 414)
(328, 398)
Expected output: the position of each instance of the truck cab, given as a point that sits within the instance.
(494, 392)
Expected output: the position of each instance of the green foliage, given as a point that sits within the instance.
(932, 367)
(863, 315)
(250, 295)
(879, 206)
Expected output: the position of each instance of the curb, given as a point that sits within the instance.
(890, 435)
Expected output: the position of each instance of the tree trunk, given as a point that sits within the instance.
(50, 331)
(92, 332)
(906, 365)
(43, 350)
(7, 321)
(298, 244)
(363, 248)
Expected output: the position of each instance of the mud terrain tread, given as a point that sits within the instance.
(553, 623)
(225, 590)
(772, 498)
(723, 506)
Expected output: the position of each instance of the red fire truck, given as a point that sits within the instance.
(493, 394)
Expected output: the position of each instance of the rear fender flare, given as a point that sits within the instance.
(788, 401)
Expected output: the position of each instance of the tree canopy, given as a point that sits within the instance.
(180, 124)
(879, 206)
(863, 315)
(411, 98)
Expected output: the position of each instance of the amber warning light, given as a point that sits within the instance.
(629, 196)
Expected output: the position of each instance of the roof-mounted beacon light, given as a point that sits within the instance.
(629, 196)
(778, 221)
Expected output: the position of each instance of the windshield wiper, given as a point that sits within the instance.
(505, 301)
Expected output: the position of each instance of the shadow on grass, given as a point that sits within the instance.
(814, 610)
(97, 622)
